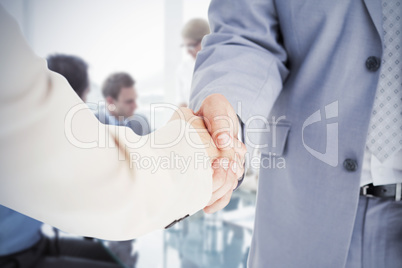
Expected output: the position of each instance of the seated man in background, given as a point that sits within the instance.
(121, 102)
(94, 192)
(22, 243)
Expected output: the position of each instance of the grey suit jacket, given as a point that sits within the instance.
(306, 72)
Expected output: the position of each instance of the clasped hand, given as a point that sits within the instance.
(217, 125)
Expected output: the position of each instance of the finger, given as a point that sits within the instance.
(227, 186)
(237, 166)
(235, 184)
(221, 128)
(219, 204)
(222, 138)
(226, 158)
(219, 175)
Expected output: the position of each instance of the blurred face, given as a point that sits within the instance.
(192, 46)
(126, 102)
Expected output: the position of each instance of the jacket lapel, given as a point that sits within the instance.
(374, 8)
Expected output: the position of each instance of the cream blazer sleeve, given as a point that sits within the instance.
(61, 166)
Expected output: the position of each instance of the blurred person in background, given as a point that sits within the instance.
(74, 69)
(192, 34)
(22, 243)
(121, 102)
(49, 173)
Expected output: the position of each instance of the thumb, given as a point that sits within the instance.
(220, 120)
(222, 136)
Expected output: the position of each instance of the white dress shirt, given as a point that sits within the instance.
(377, 173)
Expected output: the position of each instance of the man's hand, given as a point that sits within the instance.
(220, 119)
(223, 125)
(227, 161)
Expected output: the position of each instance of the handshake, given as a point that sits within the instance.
(217, 124)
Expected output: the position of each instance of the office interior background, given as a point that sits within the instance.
(142, 38)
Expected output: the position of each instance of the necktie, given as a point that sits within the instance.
(385, 130)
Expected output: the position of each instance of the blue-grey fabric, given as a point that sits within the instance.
(314, 53)
(17, 231)
(377, 234)
(138, 123)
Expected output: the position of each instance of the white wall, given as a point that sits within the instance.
(195, 9)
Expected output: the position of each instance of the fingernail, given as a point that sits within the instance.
(223, 139)
(234, 167)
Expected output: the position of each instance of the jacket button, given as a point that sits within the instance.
(373, 63)
(350, 164)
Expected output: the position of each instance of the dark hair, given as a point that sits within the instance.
(73, 68)
(115, 82)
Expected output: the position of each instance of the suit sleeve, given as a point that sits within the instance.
(243, 58)
(59, 165)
